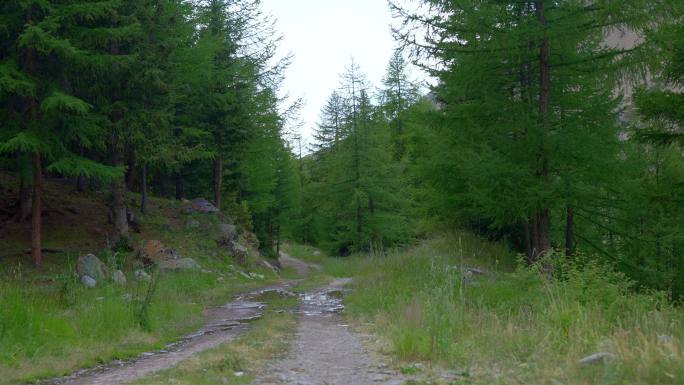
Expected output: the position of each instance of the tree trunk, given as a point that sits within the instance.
(37, 211)
(25, 202)
(119, 211)
(218, 180)
(543, 225)
(119, 199)
(37, 204)
(81, 180)
(570, 232)
(143, 187)
(180, 187)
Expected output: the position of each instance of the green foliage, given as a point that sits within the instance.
(531, 326)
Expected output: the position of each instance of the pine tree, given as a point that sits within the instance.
(525, 87)
(399, 94)
(52, 118)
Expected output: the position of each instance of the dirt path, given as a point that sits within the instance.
(224, 324)
(325, 351)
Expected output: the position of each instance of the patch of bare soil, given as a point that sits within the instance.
(325, 350)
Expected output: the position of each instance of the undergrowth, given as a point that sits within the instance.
(515, 325)
(51, 325)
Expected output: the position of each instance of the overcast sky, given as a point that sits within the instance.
(323, 36)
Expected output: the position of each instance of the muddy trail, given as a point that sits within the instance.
(224, 323)
(324, 351)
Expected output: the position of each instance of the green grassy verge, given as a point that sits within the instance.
(240, 361)
(514, 326)
(51, 325)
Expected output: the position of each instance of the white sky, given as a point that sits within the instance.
(323, 36)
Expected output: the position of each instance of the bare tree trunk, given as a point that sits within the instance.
(37, 204)
(180, 187)
(119, 209)
(143, 202)
(37, 212)
(218, 180)
(570, 232)
(544, 214)
(80, 180)
(25, 202)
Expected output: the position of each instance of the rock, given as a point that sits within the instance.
(256, 275)
(317, 253)
(180, 264)
(91, 266)
(596, 358)
(665, 339)
(192, 224)
(227, 234)
(239, 252)
(119, 278)
(141, 275)
(155, 252)
(267, 265)
(88, 281)
(200, 205)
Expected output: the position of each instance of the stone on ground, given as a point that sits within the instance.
(141, 275)
(201, 205)
(88, 281)
(596, 358)
(91, 266)
(119, 278)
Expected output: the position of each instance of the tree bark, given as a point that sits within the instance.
(119, 209)
(25, 203)
(37, 211)
(81, 180)
(180, 186)
(37, 204)
(570, 232)
(218, 181)
(143, 200)
(544, 213)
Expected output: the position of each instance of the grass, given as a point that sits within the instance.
(514, 326)
(51, 325)
(240, 361)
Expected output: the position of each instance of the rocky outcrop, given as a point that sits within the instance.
(200, 205)
(155, 253)
(227, 233)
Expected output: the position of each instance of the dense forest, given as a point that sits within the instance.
(541, 128)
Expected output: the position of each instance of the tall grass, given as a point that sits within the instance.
(517, 326)
(49, 329)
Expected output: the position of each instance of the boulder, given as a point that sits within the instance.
(91, 266)
(141, 275)
(239, 251)
(317, 253)
(180, 264)
(119, 278)
(200, 205)
(88, 281)
(227, 233)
